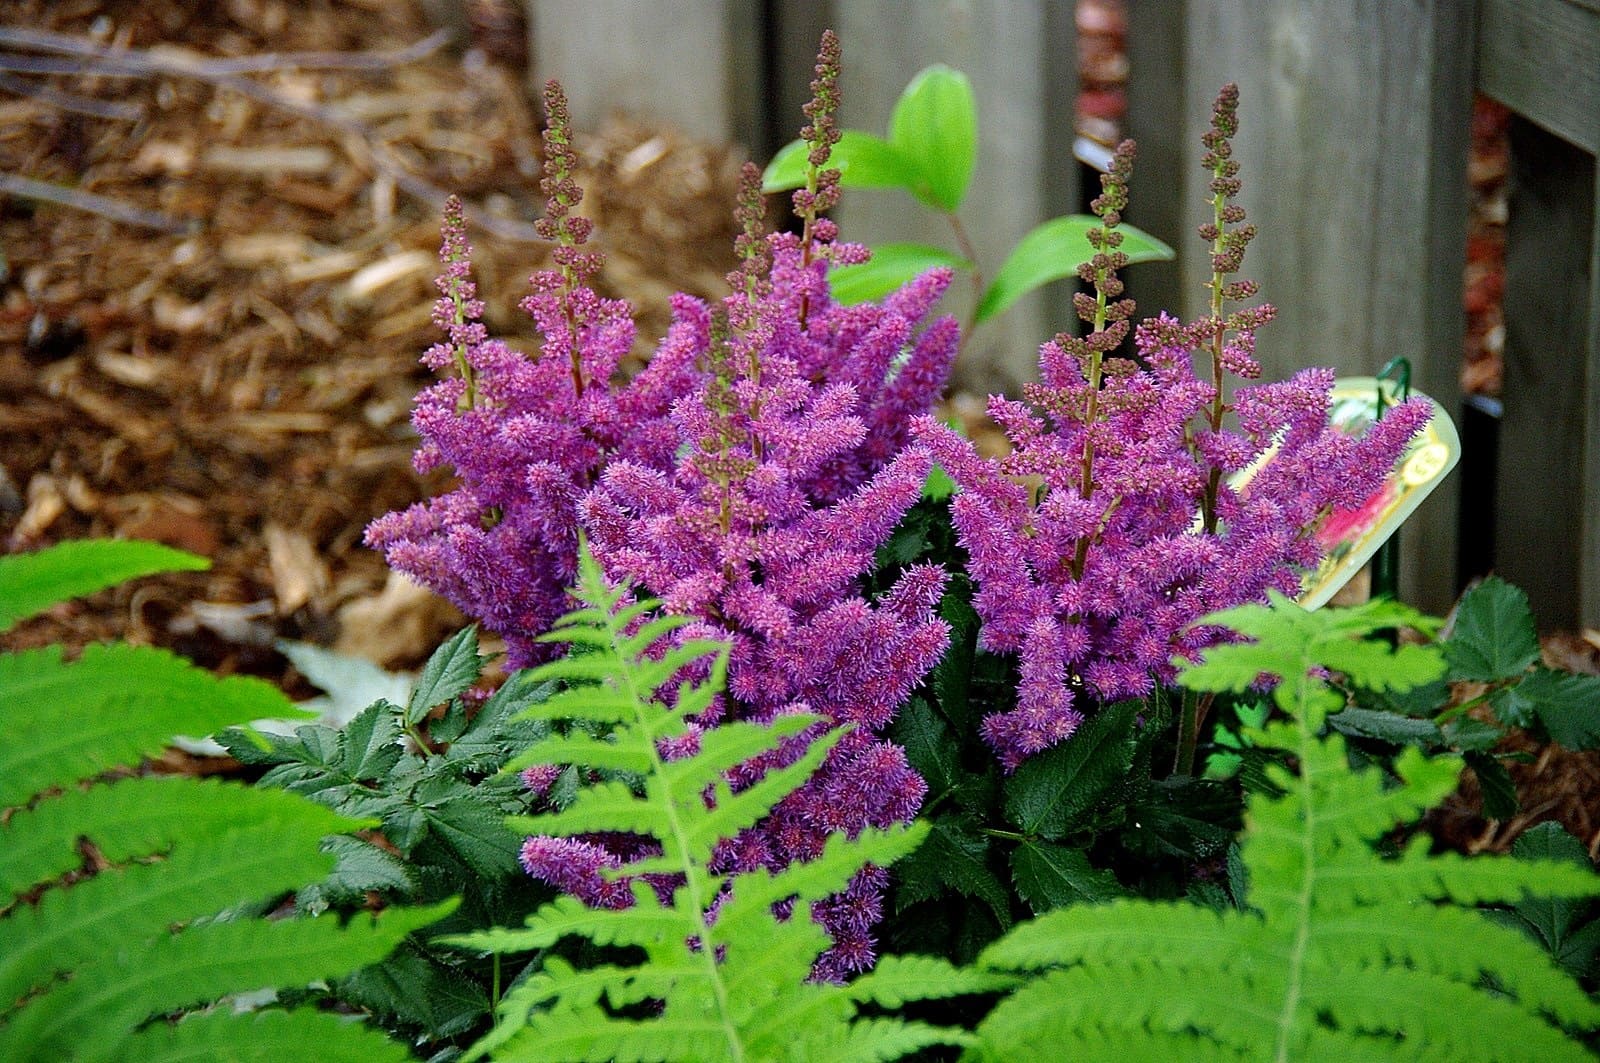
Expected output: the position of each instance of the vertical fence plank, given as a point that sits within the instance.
(1354, 118)
(1544, 477)
(1009, 50)
(691, 64)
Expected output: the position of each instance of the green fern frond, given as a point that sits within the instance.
(30, 583)
(112, 705)
(130, 900)
(727, 985)
(264, 1037)
(1341, 953)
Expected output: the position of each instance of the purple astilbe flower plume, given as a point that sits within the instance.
(1096, 574)
(527, 436)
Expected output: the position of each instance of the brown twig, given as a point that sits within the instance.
(71, 101)
(66, 44)
(223, 74)
(28, 188)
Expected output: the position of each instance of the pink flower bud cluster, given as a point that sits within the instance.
(1098, 593)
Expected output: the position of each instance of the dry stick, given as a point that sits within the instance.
(103, 60)
(28, 188)
(66, 44)
(70, 101)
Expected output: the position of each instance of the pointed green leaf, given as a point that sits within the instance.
(453, 668)
(1053, 876)
(32, 582)
(1494, 636)
(863, 161)
(1053, 251)
(1566, 704)
(935, 126)
(891, 266)
(1049, 791)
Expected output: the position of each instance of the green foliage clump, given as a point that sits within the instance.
(1337, 951)
(711, 971)
(430, 772)
(131, 908)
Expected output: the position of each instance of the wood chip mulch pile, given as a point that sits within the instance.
(240, 386)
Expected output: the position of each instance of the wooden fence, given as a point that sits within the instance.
(1355, 130)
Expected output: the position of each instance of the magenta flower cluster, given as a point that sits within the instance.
(1116, 522)
(746, 478)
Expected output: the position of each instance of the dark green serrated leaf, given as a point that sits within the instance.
(1049, 791)
(477, 834)
(1190, 818)
(951, 860)
(930, 748)
(1385, 726)
(419, 989)
(1565, 704)
(1568, 927)
(361, 866)
(952, 676)
(371, 746)
(1499, 792)
(453, 668)
(1470, 733)
(1494, 636)
(1052, 876)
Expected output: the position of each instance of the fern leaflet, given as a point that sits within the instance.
(1343, 953)
(722, 977)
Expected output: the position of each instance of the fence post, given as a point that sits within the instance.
(1013, 52)
(695, 65)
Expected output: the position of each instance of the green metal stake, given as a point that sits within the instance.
(1386, 562)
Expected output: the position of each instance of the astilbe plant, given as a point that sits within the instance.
(746, 477)
(1113, 526)
(527, 435)
(712, 970)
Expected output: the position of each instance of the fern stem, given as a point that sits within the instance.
(692, 877)
(1308, 850)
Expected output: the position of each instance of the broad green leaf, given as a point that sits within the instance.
(1494, 783)
(1568, 927)
(891, 266)
(1053, 876)
(453, 668)
(420, 988)
(1567, 705)
(863, 161)
(1050, 790)
(930, 750)
(1384, 726)
(371, 745)
(1494, 636)
(935, 125)
(1054, 250)
(30, 583)
(939, 486)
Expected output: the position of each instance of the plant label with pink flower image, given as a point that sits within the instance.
(1349, 537)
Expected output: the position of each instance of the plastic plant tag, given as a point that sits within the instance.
(1349, 538)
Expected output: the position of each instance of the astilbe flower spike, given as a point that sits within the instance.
(526, 436)
(746, 477)
(1095, 577)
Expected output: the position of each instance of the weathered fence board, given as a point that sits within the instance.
(692, 64)
(1354, 120)
(1014, 53)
